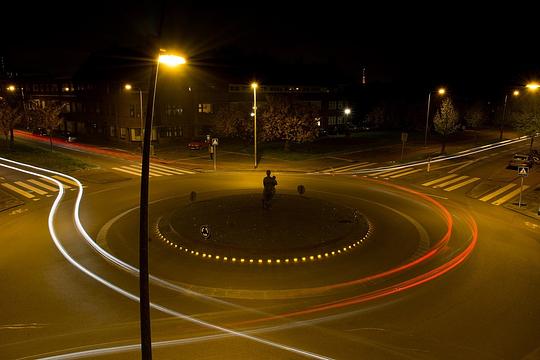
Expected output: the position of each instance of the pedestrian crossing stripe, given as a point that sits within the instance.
(172, 169)
(390, 172)
(497, 192)
(345, 168)
(42, 185)
(131, 171)
(405, 173)
(63, 179)
(509, 196)
(138, 168)
(461, 184)
(429, 183)
(18, 191)
(449, 182)
(155, 170)
(31, 188)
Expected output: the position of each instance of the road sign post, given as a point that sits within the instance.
(215, 143)
(429, 163)
(404, 136)
(523, 172)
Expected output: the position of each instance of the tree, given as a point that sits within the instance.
(526, 119)
(9, 117)
(234, 120)
(49, 117)
(289, 121)
(446, 121)
(475, 117)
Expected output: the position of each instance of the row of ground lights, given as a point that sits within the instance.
(241, 260)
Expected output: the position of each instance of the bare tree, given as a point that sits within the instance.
(49, 117)
(446, 121)
(289, 121)
(9, 117)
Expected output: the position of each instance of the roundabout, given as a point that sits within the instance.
(366, 237)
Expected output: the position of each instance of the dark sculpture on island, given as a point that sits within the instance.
(269, 184)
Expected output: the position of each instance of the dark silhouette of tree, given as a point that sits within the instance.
(49, 117)
(9, 117)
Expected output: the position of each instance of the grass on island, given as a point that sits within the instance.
(37, 156)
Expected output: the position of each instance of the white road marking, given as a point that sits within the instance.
(457, 186)
(429, 183)
(18, 191)
(497, 192)
(509, 196)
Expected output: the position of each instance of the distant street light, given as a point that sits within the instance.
(129, 87)
(532, 86)
(514, 93)
(254, 87)
(440, 91)
(347, 111)
(11, 88)
(144, 295)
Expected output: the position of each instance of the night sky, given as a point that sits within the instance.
(422, 45)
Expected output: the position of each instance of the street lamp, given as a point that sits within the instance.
(440, 91)
(129, 87)
(533, 87)
(514, 93)
(144, 295)
(254, 86)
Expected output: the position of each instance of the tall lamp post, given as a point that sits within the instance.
(514, 93)
(441, 92)
(254, 87)
(129, 87)
(533, 87)
(144, 295)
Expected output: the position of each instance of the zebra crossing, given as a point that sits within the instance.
(496, 197)
(348, 168)
(155, 170)
(34, 189)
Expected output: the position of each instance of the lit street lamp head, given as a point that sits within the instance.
(11, 88)
(128, 87)
(533, 86)
(442, 91)
(254, 85)
(516, 93)
(347, 111)
(171, 60)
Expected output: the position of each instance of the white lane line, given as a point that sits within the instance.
(509, 196)
(405, 173)
(18, 191)
(40, 184)
(429, 183)
(31, 188)
(457, 186)
(467, 164)
(497, 192)
(342, 167)
(132, 172)
(449, 182)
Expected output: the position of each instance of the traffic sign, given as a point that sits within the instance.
(523, 171)
(215, 142)
(404, 136)
(205, 231)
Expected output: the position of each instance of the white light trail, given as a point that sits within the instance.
(124, 292)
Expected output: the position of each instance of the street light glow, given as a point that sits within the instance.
(347, 111)
(11, 87)
(533, 86)
(516, 93)
(442, 91)
(128, 87)
(254, 85)
(171, 60)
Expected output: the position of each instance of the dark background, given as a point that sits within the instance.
(476, 48)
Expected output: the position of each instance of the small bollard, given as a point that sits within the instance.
(301, 189)
(193, 196)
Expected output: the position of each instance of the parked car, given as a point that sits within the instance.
(520, 160)
(535, 155)
(197, 144)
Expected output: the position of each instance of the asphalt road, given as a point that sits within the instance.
(483, 308)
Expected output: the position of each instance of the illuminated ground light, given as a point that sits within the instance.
(269, 261)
